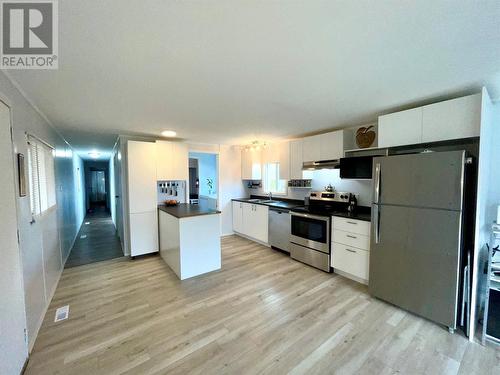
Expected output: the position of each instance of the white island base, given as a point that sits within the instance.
(190, 245)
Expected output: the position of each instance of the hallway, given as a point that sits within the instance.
(97, 240)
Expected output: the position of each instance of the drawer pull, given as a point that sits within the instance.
(348, 235)
(352, 222)
(351, 251)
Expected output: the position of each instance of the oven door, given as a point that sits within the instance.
(311, 231)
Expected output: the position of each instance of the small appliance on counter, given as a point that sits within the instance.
(311, 227)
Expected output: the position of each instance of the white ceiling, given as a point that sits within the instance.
(234, 71)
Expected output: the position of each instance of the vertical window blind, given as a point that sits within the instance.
(41, 176)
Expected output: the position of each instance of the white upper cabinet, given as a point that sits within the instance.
(172, 161)
(180, 167)
(296, 159)
(141, 162)
(332, 145)
(400, 128)
(326, 146)
(284, 159)
(251, 164)
(311, 148)
(452, 119)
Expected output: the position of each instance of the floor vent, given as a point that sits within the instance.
(83, 236)
(61, 313)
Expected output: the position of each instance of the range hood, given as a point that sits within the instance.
(322, 164)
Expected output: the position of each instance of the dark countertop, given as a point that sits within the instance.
(365, 216)
(183, 210)
(285, 204)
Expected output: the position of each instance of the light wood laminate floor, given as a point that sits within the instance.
(262, 313)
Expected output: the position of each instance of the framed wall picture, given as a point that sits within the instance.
(21, 174)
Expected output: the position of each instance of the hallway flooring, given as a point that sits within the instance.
(97, 240)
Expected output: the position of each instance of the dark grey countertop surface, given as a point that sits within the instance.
(362, 213)
(287, 205)
(187, 210)
(365, 216)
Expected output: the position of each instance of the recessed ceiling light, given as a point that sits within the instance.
(94, 154)
(168, 133)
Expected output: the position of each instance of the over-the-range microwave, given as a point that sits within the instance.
(356, 167)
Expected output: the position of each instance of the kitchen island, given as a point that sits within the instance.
(190, 239)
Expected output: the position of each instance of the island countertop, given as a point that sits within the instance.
(183, 210)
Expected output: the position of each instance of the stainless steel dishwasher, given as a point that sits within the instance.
(279, 228)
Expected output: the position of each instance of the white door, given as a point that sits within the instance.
(238, 217)
(400, 128)
(452, 119)
(13, 348)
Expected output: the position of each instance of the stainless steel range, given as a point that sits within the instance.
(310, 228)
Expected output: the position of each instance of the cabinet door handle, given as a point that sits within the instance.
(350, 250)
(348, 235)
(352, 222)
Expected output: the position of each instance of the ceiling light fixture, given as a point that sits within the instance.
(255, 146)
(94, 154)
(168, 133)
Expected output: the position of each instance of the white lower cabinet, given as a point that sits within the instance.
(351, 248)
(238, 216)
(351, 260)
(143, 233)
(251, 220)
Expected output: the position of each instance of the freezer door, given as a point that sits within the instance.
(433, 180)
(414, 260)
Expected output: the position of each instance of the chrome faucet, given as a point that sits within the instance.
(270, 196)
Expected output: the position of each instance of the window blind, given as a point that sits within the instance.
(41, 176)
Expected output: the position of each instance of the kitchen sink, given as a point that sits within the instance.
(254, 200)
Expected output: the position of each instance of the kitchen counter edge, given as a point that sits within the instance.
(184, 210)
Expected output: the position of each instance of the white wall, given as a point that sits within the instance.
(320, 179)
(230, 184)
(13, 348)
(44, 244)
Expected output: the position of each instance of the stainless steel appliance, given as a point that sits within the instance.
(356, 168)
(417, 233)
(279, 228)
(310, 228)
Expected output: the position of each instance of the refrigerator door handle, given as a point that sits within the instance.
(376, 223)
(377, 183)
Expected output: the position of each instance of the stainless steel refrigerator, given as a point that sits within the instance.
(417, 239)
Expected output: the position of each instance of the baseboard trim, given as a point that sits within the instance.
(252, 239)
(25, 366)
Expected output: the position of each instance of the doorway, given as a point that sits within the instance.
(203, 179)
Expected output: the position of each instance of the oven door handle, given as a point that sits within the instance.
(322, 218)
